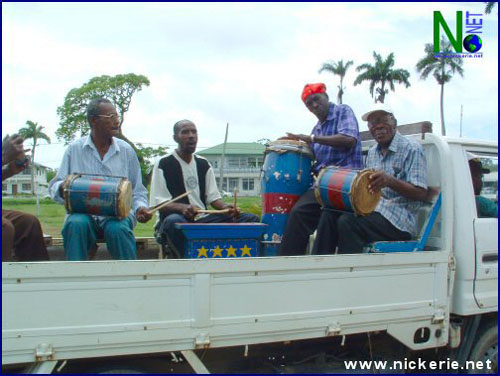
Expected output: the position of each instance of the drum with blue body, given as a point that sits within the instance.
(287, 176)
(346, 190)
(99, 195)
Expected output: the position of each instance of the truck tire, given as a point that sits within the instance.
(486, 348)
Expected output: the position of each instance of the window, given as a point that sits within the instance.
(26, 187)
(26, 171)
(4, 187)
(233, 183)
(248, 184)
(484, 173)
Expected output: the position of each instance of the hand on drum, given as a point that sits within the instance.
(189, 211)
(143, 214)
(379, 180)
(299, 137)
(233, 211)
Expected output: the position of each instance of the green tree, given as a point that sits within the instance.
(119, 89)
(382, 73)
(147, 153)
(35, 132)
(442, 68)
(51, 174)
(337, 68)
(489, 6)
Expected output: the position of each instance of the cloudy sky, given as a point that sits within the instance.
(239, 63)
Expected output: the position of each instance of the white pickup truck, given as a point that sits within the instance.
(446, 296)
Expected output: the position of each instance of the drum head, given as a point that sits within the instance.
(282, 146)
(125, 199)
(363, 202)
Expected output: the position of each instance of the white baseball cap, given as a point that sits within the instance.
(381, 108)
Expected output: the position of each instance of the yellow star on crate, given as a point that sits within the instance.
(246, 251)
(218, 252)
(202, 252)
(231, 252)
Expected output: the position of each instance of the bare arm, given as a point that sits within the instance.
(338, 140)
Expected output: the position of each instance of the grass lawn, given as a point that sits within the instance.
(52, 214)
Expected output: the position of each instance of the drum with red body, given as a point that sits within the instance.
(99, 195)
(346, 190)
(287, 176)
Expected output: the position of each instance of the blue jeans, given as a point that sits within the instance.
(81, 231)
(167, 228)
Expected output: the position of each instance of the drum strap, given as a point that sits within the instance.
(172, 172)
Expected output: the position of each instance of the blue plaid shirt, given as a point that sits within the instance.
(340, 120)
(405, 160)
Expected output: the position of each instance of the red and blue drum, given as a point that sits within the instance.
(99, 195)
(287, 176)
(346, 190)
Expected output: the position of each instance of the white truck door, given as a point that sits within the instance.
(486, 235)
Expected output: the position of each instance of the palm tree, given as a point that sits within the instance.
(339, 69)
(34, 131)
(489, 6)
(382, 73)
(441, 67)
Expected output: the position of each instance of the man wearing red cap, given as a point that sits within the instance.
(335, 141)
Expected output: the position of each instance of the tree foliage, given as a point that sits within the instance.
(382, 73)
(340, 69)
(35, 132)
(489, 6)
(442, 67)
(119, 89)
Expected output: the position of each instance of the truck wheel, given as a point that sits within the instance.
(486, 348)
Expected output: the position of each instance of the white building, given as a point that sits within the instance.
(21, 183)
(242, 167)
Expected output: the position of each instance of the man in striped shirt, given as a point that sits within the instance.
(401, 175)
(335, 141)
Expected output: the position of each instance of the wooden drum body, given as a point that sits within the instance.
(98, 195)
(346, 190)
(287, 176)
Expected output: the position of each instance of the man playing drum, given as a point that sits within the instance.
(335, 141)
(101, 153)
(401, 175)
(22, 236)
(181, 172)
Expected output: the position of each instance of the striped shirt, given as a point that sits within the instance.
(82, 156)
(340, 120)
(404, 160)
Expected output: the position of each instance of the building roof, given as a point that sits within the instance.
(236, 148)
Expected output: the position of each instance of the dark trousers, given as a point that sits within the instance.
(167, 226)
(305, 217)
(356, 232)
(22, 237)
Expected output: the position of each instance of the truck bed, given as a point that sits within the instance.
(69, 310)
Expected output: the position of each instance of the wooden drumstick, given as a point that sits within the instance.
(165, 203)
(235, 196)
(203, 211)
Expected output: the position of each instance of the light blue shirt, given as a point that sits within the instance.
(406, 161)
(82, 156)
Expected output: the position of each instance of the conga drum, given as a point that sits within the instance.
(346, 190)
(286, 177)
(100, 195)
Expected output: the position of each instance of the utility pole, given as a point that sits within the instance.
(221, 178)
(461, 115)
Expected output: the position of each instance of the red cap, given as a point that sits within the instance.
(310, 89)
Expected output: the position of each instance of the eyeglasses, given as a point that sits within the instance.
(110, 116)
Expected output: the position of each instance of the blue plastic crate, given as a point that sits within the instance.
(213, 240)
